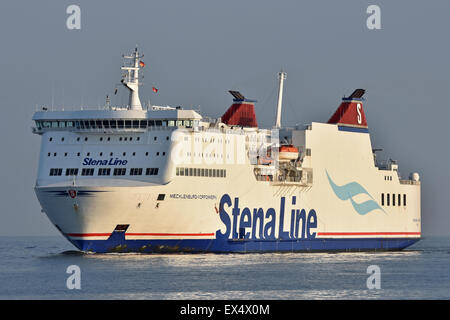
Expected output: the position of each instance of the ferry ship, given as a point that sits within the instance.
(166, 179)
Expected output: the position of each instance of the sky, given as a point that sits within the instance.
(197, 50)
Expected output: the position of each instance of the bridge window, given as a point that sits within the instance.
(71, 171)
(135, 171)
(87, 172)
(151, 171)
(399, 202)
(393, 199)
(404, 199)
(387, 199)
(104, 171)
(119, 171)
(55, 171)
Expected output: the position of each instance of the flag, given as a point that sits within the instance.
(154, 90)
(142, 64)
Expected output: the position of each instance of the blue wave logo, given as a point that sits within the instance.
(350, 190)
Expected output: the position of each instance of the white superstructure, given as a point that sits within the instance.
(164, 179)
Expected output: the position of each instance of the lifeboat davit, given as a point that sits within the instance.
(287, 153)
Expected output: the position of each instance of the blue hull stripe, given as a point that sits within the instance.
(117, 243)
(353, 129)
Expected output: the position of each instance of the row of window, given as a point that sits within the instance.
(394, 197)
(55, 171)
(104, 171)
(201, 172)
(109, 139)
(115, 124)
(88, 154)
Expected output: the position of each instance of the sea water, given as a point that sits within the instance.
(39, 268)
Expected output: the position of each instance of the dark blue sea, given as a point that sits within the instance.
(36, 268)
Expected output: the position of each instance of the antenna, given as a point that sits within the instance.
(131, 78)
(281, 77)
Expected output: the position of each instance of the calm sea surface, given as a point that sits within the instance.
(35, 268)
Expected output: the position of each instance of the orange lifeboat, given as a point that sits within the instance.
(287, 153)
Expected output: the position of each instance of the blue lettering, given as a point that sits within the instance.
(260, 225)
(312, 223)
(258, 214)
(235, 214)
(270, 235)
(282, 234)
(245, 221)
(224, 217)
(300, 216)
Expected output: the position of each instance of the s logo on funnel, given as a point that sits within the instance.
(349, 190)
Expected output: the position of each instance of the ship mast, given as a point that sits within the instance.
(130, 79)
(281, 77)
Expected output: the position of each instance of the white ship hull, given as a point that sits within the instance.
(197, 213)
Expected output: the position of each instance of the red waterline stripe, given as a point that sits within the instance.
(170, 234)
(368, 233)
(88, 234)
(138, 234)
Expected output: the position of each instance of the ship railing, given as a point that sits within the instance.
(103, 130)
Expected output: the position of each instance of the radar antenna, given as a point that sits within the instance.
(131, 78)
